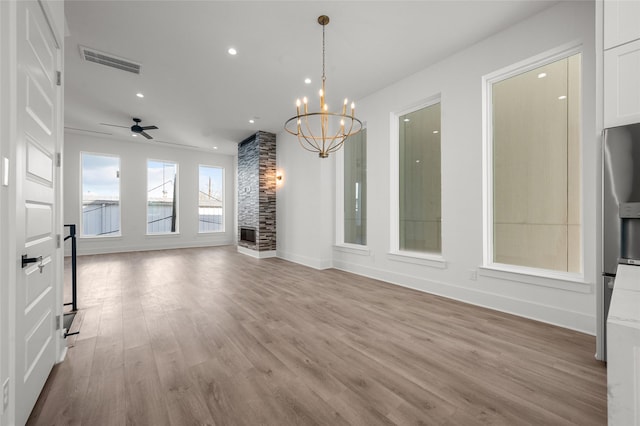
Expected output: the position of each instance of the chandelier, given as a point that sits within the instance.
(323, 132)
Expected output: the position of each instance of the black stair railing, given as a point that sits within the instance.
(69, 316)
(74, 293)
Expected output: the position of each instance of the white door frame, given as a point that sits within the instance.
(54, 14)
(7, 256)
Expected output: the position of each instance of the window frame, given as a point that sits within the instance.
(395, 253)
(176, 201)
(531, 275)
(340, 244)
(81, 220)
(223, 224)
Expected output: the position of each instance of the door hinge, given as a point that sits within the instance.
(58, 240)
(58, 322)
(58, 78)
(58, 159)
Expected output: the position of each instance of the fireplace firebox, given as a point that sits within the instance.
(248, 234)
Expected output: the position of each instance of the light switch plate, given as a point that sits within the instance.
(5, 171)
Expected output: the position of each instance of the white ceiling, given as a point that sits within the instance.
(200, 96)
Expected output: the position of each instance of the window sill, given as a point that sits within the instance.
(210, 233)
(540, 277)
(99, 237)
(432, 260)
(353, 249)
(163, 234)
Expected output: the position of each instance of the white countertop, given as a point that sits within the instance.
(625, 301)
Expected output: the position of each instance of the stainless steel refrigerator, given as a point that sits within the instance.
(620, 213)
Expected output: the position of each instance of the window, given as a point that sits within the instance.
(355, 189)
(162, 197)
(100, 195)
(534, 217)
(210, 205)
(419, 179)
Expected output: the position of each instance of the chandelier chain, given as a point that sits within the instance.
(323, 55)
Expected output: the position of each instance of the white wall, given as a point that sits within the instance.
(7, 267)
(133, 194)
(305, 210)
(459, 81)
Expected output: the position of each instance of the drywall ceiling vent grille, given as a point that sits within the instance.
(109, 60)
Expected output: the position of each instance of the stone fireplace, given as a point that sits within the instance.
(257, 195)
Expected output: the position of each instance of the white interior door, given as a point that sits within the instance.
(36, 189)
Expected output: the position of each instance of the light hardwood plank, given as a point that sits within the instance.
(211, 337)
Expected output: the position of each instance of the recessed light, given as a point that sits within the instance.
(252, 121)
(307, 81)
(406, 120)
(435, 132)
(417, 161)
(134, 135)
(215, 147)
(140, 95)
(232, 51)
(542, 75)
(562, 97)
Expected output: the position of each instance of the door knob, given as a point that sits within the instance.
(27, 260)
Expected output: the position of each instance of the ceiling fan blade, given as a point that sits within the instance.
(114, 125)
(149, 128)
(146, 135)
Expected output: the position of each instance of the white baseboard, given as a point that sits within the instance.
(81, 251)
(63, 354)
(577, 321)
(257, 254)
(306, 261)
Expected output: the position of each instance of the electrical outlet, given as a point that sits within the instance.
(473, 274)
(5, 395)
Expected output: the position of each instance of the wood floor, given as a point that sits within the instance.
(209, 336)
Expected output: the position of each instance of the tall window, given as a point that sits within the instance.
(162, 197)
(100, 195)
(355, 189)
(210, 206)
(535, 145)
(419, 169)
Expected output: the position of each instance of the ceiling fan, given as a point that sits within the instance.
(136, 128)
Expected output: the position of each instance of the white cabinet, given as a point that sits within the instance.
(623, 349)
(622, 85)
(621, 22)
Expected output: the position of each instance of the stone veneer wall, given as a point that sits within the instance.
(257, 190)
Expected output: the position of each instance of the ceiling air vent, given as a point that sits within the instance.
(109, 60)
